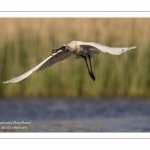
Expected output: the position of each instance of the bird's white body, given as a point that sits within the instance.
(78, 48)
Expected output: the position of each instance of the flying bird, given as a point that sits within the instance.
(85, 50)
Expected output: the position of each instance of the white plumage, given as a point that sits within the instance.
(80, 49)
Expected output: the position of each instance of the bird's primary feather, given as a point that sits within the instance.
(54, 58)
(106, 49)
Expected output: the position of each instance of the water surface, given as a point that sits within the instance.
(75, 115)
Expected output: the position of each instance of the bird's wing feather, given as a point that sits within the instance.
(54, 58)
(106, 49)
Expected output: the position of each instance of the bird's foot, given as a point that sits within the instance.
(92, 75)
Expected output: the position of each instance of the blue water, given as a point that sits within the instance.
(75, 114)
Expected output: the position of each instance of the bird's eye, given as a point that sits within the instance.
(65, 48)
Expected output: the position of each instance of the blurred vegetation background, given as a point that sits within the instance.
(26, 42)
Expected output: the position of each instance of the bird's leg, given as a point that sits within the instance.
(90, 73)
(86, 62)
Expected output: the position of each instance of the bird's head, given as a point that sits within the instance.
(65, 48)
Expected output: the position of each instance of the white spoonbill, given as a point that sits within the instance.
(80, 49)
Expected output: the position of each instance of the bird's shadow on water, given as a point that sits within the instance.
(78, 114)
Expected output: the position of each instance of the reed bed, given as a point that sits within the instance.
(26, 42)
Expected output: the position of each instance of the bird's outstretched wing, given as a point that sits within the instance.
(106, 49)
(54, 58)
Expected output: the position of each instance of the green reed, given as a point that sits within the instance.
(124, 75)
